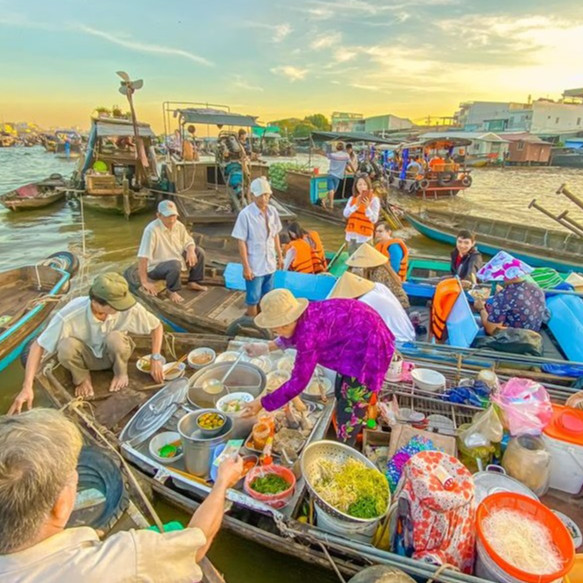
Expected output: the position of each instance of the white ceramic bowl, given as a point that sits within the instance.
(428, 380)
(143, 363)
(242, 396)
(176, 373)
(262, 362)
(198, 352)
(314, 391)
(228, 356)
(159, 441)
(274, 378)
(286, 363)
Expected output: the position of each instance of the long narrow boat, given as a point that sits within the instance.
(27, 297)
(538, 246)
(35, 195)
(279, 530)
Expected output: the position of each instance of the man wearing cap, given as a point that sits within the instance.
(257, 232)
(165, 251)
(91, 333)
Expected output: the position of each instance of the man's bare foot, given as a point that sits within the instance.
(193, 285)
(119, 382)
(85, 389)
(175, 297)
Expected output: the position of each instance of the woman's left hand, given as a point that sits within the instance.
(251, 409)
(478, 304)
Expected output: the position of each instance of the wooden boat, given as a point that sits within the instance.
(537, 246)
(28, 295)
(203, 190)
(279, 530)
(445, 179)
(118, 169)
(7, 140)
(36, 194)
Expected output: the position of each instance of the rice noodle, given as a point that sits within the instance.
(522, 542)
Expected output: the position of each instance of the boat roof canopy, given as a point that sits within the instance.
(350, 137)
(215, 117)
(109, 129)
(437, 143)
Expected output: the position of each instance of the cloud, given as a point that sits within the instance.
(128, 43)
(326, 41)
(280, 32)
(240, 83)
(365, 87)
(291, 72)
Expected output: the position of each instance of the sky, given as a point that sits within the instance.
(281, 58)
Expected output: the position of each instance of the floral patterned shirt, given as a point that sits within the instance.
(518, 305)
(344, 335)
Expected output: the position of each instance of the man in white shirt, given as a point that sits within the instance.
(39, 451)
(336, 172)
(91, 333)
(257, 232)
(380, 298)
(165, 251)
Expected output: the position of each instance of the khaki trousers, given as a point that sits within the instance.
(79, 359)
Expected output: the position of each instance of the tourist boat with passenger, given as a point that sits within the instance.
(437, 177)
(28, 296)
(210, 191)
(136, 421)
(36, 194)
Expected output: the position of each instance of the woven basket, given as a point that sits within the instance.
(336, 452)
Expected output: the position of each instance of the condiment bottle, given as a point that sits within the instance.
(261, 433)
(266, 458)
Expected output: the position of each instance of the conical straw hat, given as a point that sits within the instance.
(366, 256)
(351, 286)
(279, 308)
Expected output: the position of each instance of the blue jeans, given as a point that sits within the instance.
(332, 183)
(257, 288)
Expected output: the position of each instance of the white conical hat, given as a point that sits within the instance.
(366, 256)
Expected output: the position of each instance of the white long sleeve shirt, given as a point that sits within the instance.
(372, 212)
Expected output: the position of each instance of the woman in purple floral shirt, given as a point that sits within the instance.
(344, 335)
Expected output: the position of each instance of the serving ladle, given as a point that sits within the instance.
(216, 386)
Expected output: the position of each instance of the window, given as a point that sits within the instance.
(520, 146)
(556, 120)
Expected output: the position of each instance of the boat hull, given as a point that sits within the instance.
(119, 204)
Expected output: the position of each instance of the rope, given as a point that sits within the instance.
(441, 570)
(336, 570)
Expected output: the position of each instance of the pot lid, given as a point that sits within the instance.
(154, 413)
(491, 482)
(566, 425)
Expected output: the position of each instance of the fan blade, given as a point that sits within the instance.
(138, 84)
(123, 90)
(123, 75)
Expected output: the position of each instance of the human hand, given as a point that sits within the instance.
(230, 472)
(248, 274)
(479, 304)
(280, 262)
(255, 349)
(466, 285)
(150, 288)
(157, 370)
(26, 395)
(252, 409)
(190, 256)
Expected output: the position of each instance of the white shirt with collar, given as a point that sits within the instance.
(76, 320)
(259, 236)
(161, 244)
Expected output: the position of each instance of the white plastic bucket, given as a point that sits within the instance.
(566, 465)
(486, 568)
(351, 530)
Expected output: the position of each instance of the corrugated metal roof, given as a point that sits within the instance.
(118, 128)
(352, 137)
(484, 136)
(215, 117)
(524, 137)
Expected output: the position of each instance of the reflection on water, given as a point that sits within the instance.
(112, 242)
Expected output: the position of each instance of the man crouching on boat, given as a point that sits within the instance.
(38, 487)
(91, 333)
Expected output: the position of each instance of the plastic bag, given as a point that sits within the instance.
(527, 459)
(485, 429)
(525, 405)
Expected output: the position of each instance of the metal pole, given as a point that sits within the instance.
(563, 189)
(544, 211)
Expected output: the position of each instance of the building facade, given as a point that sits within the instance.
(347, 122)
(383, 123)
(526, 149)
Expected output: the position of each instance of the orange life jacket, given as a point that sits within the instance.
(384, 249)
(358, 222)
(446, 294)
(302, 262)
(317, 249)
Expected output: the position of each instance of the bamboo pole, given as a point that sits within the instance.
(563, 217)
(564, 189)
(544, 211)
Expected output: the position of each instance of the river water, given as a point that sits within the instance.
(111, 243)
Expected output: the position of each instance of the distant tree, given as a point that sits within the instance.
(319, 121)
(303, 130)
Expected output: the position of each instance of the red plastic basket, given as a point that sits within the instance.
(273, 500)
(536, 511)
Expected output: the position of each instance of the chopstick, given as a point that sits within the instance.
(175, 365)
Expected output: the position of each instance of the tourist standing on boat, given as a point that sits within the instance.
(371, 264)
(91, 333)
(380, 298)
(520, 304)
(353, 159)
(166, 250)
(362, 212)
(466, 260)
(245, 143)
(336, 172)
(346, 336)
(189, 147)
(39, 452)
(257, 232)
(394, 248)
(303, 245)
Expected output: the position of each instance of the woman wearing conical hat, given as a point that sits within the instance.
(344, 335)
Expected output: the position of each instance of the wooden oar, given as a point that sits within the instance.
(336, 256)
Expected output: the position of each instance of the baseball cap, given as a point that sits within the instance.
(260, 186)
(113, 288)
(167, 208)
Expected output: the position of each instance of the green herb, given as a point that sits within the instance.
(366, 507)
(269, 484)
